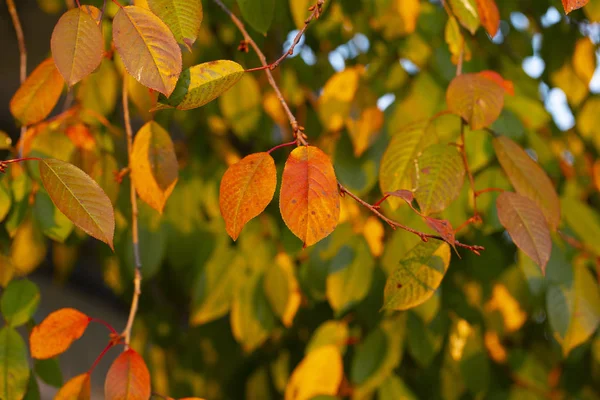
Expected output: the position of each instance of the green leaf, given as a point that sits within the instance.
(584, 221)
(33, 390)
(19, 302)
(466, 12)
(281, 289)
(258, 13)
(329, 333)
(418, 276)
(14, 368)
(423, 341)
(5, 200)
(80, 198)
(49, 371)
(393, 388)
(182, 16)
(52, 221)
(440, 178)
(5, 141)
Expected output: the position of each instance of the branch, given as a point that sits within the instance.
(476, 218)
(137, 281)
(23, 53)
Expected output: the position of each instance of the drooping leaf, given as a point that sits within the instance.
(570, 5)
(148, 49)
(202, 84)
(475, 98)
(258, 13)
(127, 378)
(489, 16)
(19, 301)
(56, 333)
(77, 388)
(528, 178)
(526, 225)
(466, 12)
(154, 167)
(309, 200)
(182, 16)
(80, 198)
(38, 95)
(443, 227)
(440, 177)
(308, 379)
(14, 368)
(418, 276)
(77, 45)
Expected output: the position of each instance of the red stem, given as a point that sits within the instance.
(106, 324)
(106, 349)
(480, 192)
(281, 146)
(117, 3)
(384, 198)
(16, 160)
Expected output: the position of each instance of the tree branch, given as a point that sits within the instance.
(23, 55)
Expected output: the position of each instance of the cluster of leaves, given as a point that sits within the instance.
(465, 150)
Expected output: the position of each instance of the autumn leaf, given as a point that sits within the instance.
(496, 77)
(77, 388)
(466, 13)
(127, 378)
(246, 189)
(489, 16)
(182, 16)
(526, 225)
(38, 95)
(570, 5)
(308, 379)
(148, 49)
(335, 101)
(80, 198)
(154, 167)
(77, 45)
(443, 227)
(309, 200)
(56, 333)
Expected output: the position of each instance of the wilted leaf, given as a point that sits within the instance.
(77, 45)
(154, 167)
(308, 379)
(570, 5)
(77, 388)
(202, 84)
(56, 333)
(14, 368)
(475, 98)
(258, 13)
(182, 16)
(466, 12)
(127, 378)
(80, 198)
(489, 16)
(418, 276)
(526, 225)
(148, 49)
(309, 199)
(19, 301)
(528, 178)
(38, 95)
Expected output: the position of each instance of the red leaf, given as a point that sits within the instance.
(570, 5)
(128, 378)
(56, 333)
(443, 227)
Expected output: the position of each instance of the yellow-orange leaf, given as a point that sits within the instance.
(56, 333)
(508, 86)
(77, 45)
(489, 16)
(128, 378)
(80, 198)
(309, 199)
(38, 95)
(476, 98)
(154, 167)
(570, 5)
(77, 388)
(148, 48)
(246, 189)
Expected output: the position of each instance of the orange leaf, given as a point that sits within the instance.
(128, 378)
(570, 5)
(496, 77)
(38, 95)
(489, 16)
(309, 199)
(477, 99)
(77, 45)
(148, 48)
(77, 388)
(526, 225)
(246, 189)
(56, 333)
(81, 136)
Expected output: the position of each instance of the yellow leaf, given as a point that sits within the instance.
(514, 317)
(282, 289)
(365, 129)
(374, 233)
(336, 100)
(241, 105)
(566, 79)
(584, 59)
(77, 388)
(319, 373)
(28, 249)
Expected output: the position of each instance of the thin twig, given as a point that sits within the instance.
(476, 218)
(137, 281)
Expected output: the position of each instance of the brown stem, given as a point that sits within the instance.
(463, 152)
(137, 282)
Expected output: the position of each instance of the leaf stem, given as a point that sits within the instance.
(99, 358)
(281, 146)
(476, 218)
(106, 324)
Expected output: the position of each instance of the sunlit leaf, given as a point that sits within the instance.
(148, 49)
(496, 77)
(466, 12)
(241, 106)
(56, 333)
(309, 200)
(127, 378)
(282, 289)
(308, 379)
(363, 130)
(38, 95)
(475, 98)
(182, 16)
(584, 59)
(258, 13)
(77, 45)
(570, 5)
(489, 16)
(77, 388)
(19, 301)
(14, 368)
(336, 99)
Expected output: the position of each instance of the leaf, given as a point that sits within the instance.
(80, 198)
(282, 289)
(475, 98)
(489, 16)
(77, 45)
(148, 49)
(496, 77)
(99, 91)
(14, 368)
(336, 99)
(364, 129)
(52, 221)
(406, 195)
(38, 95)
(77, 388)
(418, 276)
(246, 190)
(528, 178)
(241, 106)
(56, 333)
(128, 378)
(570, 5)
(5, 141)
(329, 333)
(443, 227)
(526, 225)
(584, 221)
(154, 167)
(202, 84)
(309, 200)
(19, 302)
(440, 177)
(584, 59)
(258, 13)
(182, 16)
(308, 379)
(466, 12)
(394, 388)
(49, 371)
